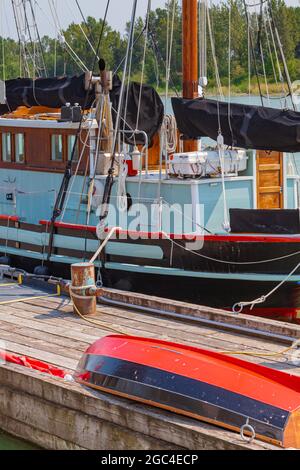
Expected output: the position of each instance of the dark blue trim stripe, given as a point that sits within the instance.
(184, 394)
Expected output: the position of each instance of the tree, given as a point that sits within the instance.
(60, 59)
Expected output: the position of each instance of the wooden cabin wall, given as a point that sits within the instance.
(269, 175)
(38, 149)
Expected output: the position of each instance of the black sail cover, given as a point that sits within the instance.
(56, 92)
(151, 111)
(249, 127)
(48, 92)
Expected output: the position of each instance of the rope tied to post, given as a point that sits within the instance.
(239, 307)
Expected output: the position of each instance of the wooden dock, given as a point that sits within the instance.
(56, 414)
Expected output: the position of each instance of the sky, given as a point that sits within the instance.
(119, 13)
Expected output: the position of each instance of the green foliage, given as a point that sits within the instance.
(113, 46)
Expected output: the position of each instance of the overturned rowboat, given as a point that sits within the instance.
(212, 387)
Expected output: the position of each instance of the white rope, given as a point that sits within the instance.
(122, 201)
(21, 34)
(280, 75)
(220, 141)
(239, 307)
(62, 37)
(231, 263)
(83, 32)
(270, 53)
(103, 245)
(169, 134)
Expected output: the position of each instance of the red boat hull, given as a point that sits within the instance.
(206, 386)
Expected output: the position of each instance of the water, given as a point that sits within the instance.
(10, 443)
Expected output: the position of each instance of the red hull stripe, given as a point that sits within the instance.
(288, 313)
(76, 227)
(13, 218)
(185, 237)
(256, 382)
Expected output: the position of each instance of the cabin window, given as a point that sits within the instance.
(57, 148)
(71, 143)
(20, 148)
(6, 147)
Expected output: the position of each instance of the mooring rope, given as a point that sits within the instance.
(90, 320)
(27, 299)
(239, 307)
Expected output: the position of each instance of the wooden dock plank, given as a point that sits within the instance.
(50, 358)
(62, 415)
(58, 331)
(195, 338)
(230, 342)
(187, 334)
(41, 338)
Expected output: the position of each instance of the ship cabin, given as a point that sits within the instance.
(35, 147)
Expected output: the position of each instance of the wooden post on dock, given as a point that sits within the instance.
(83, 277)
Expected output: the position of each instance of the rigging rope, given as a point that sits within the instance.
(221, 147)
(202, 34)
(214, 56)
(122, 201)
(82, 29)
(86, 24)
(143, 62)
(231, 263)
(38, 38)
(285, 66)
(260, 48)
(169, 131)
(110, 177)
(3, 49)
(62, 194)
(229, 92)
(62, 38)
(253, 51)
(280, 75)
(82, 153)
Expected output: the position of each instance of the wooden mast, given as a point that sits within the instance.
(190, 66)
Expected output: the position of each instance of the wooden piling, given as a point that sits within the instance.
(83, 276)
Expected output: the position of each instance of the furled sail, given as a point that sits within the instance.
(48, 92)
(144, 108)
(249, 127)
(147, 117)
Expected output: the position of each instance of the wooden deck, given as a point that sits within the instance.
(59, 415)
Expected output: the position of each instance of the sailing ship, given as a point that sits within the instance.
(90, 158)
